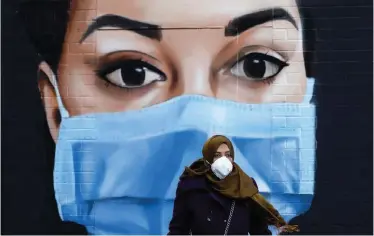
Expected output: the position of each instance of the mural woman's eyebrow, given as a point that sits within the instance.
(242, 23)
(145, 29)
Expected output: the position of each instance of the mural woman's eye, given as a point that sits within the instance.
(258, 67)
(131, 74)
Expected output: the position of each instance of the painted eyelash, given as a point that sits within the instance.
(266, 57)
(109, 67)
(269, 80)
(107, 84)
(112, 66)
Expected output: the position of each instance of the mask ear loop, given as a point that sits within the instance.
(309, 90)
(64, 113)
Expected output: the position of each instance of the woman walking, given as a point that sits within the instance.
(215, 196)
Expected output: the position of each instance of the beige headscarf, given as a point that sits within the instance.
(237, 185)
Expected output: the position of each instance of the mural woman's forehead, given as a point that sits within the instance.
(183, 13)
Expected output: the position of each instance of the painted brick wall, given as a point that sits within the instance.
(336, 51)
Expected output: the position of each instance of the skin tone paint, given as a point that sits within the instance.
(223, 150)
(242, 55)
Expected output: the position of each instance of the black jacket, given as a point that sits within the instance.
(200, 210)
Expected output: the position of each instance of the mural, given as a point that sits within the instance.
(132, 89)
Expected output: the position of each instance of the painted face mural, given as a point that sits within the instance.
(142, 84)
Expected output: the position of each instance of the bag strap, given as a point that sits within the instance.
(230, 217)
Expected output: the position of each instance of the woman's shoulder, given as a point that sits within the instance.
(192, 183)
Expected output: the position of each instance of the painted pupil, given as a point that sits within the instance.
(254, 67)
(133, 74)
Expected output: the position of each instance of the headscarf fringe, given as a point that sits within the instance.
(275, 218)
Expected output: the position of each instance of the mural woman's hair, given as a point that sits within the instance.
(46, 21)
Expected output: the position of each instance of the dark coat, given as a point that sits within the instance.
(198, 209)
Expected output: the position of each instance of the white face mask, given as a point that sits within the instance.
(222, 167)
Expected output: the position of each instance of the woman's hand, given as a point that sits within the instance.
(287, 229)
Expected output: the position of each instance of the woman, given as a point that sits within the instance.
(215, 196)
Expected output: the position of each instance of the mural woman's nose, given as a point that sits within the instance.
(196, 80)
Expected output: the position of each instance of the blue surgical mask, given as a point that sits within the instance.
(116, 173)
